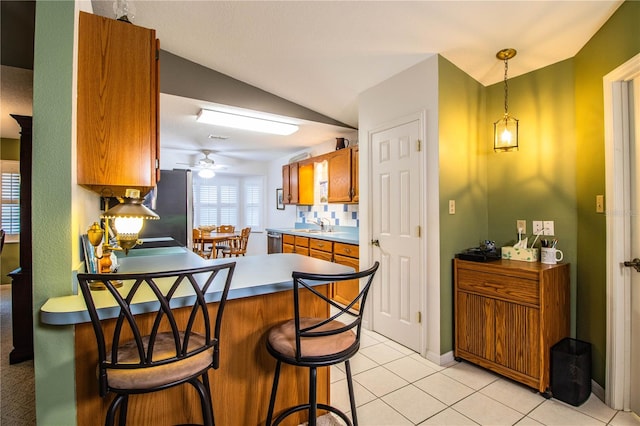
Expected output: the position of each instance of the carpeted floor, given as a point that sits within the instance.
(17, 395)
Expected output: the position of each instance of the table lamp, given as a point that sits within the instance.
(128, 216)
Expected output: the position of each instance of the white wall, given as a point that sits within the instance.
(413, 91)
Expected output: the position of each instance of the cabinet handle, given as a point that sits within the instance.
(347, 250)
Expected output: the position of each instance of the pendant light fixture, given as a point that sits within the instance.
(505, 130)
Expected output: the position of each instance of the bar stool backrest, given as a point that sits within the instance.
(142, 327)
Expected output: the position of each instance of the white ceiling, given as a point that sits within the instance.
(322, 54)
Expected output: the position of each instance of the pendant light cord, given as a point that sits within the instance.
(506, 88)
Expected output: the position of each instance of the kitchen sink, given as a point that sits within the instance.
(317, 231)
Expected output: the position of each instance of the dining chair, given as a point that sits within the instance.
(223, 245)
(238, 246)
(199, 245)
(155, 350)
(311, 342)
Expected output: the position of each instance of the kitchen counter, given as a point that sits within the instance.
(274, 275)
(345, 234)
(260, 297)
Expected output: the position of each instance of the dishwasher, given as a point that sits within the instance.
(274, 242)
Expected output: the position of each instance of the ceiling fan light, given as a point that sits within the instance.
(206, 173)
(237, 121)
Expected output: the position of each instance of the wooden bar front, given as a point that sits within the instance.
(240, 387)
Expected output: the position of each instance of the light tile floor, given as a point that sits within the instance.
(395, 386)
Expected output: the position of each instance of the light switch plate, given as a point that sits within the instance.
(521, 224)
(548, 228)
(599, 203)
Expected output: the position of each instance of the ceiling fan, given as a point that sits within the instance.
(205, 165)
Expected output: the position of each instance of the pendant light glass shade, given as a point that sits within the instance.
(505, 134)
(505, 130)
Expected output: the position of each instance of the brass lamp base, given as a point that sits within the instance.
(99, 285)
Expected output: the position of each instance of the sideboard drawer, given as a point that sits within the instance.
(503, 287)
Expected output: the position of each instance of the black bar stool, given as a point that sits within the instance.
(144, 356)
(318, 342)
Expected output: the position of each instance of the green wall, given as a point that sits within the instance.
(10, 258)
(537, 182)
(615, 43)
(463, 178)
(52, 193)
(555, 175)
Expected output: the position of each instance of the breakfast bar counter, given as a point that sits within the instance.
(260, 297)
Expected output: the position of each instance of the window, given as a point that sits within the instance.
(10, 196)
(228, 200)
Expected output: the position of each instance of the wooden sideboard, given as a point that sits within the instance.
(508, 314)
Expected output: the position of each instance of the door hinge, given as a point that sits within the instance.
(418, 145)
(419, 317)
(419, 231)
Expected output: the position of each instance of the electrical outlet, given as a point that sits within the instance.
(521, 226)
(548, 228)
(452, 206)
(537, 227)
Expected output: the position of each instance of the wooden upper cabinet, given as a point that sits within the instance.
(297, 183)
(343, 175)
(355, 171)
(339, 176)
(290, 183)
(118, 98)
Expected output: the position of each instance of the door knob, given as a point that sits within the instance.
(635, 263)
(375, 243)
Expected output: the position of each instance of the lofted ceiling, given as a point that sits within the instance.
(323, 54)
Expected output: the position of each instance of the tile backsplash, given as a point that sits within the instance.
(338, 214)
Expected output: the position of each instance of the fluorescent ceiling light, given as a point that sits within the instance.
(244, 122)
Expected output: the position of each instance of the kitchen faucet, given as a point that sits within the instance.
(320, 223)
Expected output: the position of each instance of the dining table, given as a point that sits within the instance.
(214, 238)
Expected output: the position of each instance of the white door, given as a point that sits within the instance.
(395, 171)
(634, 204)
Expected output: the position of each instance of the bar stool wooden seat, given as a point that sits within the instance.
(149, 349)
(318, 342)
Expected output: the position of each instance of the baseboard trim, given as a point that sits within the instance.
(597, 390)
(442, 360)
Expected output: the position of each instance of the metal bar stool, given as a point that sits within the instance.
(318, 342)
(150, 351)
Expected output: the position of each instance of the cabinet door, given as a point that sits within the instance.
(305, 183)
(517, 337)
(318, 254)
(345, 291)
(355, 178)
(290, 183)
(475, 325)
(340, 176)
(117, 145)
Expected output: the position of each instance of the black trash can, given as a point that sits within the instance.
(571, 371)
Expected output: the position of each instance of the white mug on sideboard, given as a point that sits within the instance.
(550, 255)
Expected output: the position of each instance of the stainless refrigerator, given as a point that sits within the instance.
(172, 199)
